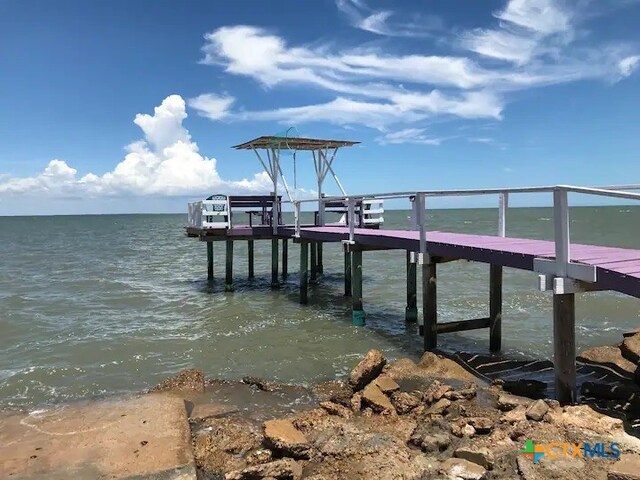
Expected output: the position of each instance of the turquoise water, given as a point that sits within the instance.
(95, 305)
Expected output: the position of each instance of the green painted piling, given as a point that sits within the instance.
(209, 260)
(250, 247)
(275, 283)
(228, 279)
(411, 312)
(357, 314)
(304, 275)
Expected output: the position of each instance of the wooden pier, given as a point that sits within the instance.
(564, 269)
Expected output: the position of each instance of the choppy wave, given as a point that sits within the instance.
(81, 318)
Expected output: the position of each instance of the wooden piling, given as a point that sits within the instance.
(411, 312)
(347, 272)
(285, 257)
(275, 283)
(209, 260)
(495, 308)
(430, 305)
(228, 278)
(357, 314)
(564, 347)
(313, 278)
(320, 266)
(250, 257)
(304, 275)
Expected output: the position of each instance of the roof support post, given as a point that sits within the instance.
(274, 163)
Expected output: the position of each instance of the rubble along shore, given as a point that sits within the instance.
(405, 420)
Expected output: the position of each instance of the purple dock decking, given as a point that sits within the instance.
(618, 269)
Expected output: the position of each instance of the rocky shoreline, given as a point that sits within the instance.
(404, 420)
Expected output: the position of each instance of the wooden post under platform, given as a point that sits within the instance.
(250, 257)
(320, 266)
(430, 305)
(314, 263)
(285, 257)
(495, 308)
(274, 263)
(228, 278)
(347, 272)
(357, 313)
(564, 347)
(411, 312)
(209, 260)
(304, 275)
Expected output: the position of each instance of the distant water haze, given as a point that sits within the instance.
(96, 305)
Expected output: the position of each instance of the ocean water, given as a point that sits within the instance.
(99, 305)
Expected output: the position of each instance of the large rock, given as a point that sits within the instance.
(188, 380)
(460, 469)
(467, 392)
(284, 437)
(386, 384)
(333, 408)
(368, 369)
(508, 402)
(440, 366)
(537, 410)
(478, 455)
(221, 444)
(337, 391)
(608, 355)
(630, 348)
(436, 391)
(404, 402)
(627, 468)
(376, 399)
(285, 469)
(439, 407)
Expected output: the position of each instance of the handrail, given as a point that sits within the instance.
(561, 266)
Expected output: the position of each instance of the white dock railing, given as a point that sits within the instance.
(212, 213)
(552, 271)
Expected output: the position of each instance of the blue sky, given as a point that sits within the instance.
(123, 106)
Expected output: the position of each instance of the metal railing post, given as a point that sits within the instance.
(561, 230)
(503, 204)
(296, 214)
(351, 217)
(420, 207)
(414, 216)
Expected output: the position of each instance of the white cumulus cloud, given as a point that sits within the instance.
(166, 162)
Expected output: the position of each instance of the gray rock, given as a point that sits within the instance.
(367, 370)
(481, 424)
(439, 407)
(404, 402)
(508, 402)
(285, 469)
(458, 468)
(284, 437)
(438, 442)
(480, 456)
(378, 401)
(537, 410)
(336, 409)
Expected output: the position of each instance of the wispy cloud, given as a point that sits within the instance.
(409, 135)
(387, 22)
(532, 44)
